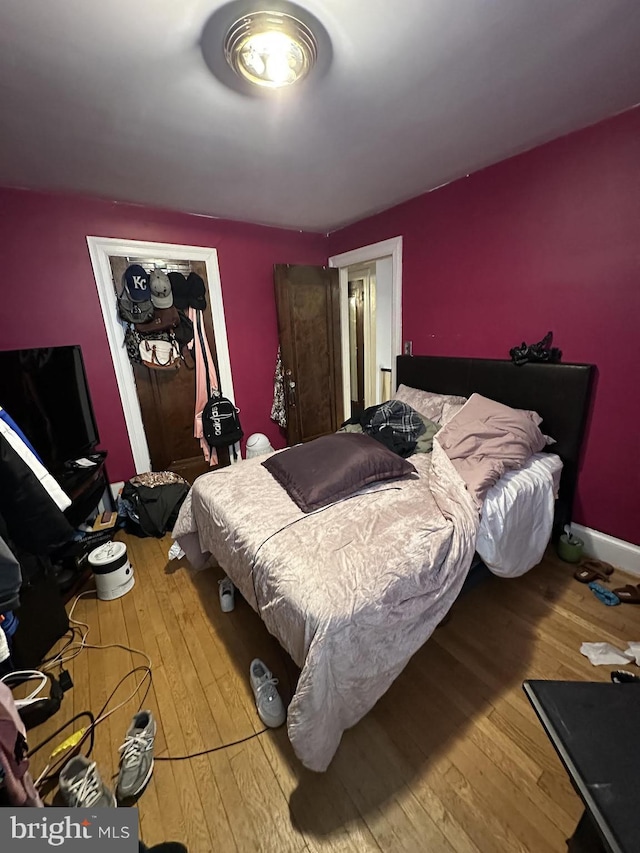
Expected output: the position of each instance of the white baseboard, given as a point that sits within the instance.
(619, 553)
(115, 488)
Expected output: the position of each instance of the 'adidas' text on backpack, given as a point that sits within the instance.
(220, 422)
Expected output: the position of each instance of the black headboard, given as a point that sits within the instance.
(560, 393)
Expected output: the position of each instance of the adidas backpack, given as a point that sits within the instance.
(220, 422)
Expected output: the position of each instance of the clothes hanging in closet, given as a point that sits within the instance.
(17, 782)
(279, 409)
(202, 396)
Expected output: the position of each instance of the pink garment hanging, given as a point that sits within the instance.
(201, 385)
(13, 748)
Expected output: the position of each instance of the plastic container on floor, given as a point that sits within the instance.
(112, 570)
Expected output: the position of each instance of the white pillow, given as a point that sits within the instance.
(437, 407)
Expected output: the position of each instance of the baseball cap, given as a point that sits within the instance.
(180, 290)
(136, 279)
(195, 291)
(161, 294)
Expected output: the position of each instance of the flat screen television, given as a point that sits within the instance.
(46, 393)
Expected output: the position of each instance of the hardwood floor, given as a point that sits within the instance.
(452, 758)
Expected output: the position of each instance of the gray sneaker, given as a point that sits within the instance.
(268, 701)
(81, 786)
(136, 761)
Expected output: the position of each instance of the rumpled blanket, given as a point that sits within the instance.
(351, 591)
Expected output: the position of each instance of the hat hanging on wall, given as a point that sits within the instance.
(195, 292)
(180, 289)
(136, 279)
(160, 287)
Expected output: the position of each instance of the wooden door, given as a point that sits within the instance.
(308, 305)
(167, 397)
(356, 345)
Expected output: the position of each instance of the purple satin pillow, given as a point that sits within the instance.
(335, 466)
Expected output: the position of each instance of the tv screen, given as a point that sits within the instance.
(45, 391)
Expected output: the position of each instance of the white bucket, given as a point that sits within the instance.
(112, 570)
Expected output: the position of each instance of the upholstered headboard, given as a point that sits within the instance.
(560, 393)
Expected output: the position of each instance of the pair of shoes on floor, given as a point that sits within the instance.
(81, 785)
(268, 701)
(226, 591)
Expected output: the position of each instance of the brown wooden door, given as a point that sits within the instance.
(167, 398)
(308, 305)
(356, 345)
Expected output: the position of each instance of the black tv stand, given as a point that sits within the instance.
(86, 487)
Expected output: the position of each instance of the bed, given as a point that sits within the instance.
(353, 590)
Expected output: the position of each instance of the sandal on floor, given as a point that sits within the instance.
(593, 570)
(597, 566)
(629, 593)
(606, 596)
(586, 575)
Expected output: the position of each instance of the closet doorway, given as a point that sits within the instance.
(362, 338)
(159, 405)
(370, 322)
(167, 397)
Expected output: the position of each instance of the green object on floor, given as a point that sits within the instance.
(570, 549)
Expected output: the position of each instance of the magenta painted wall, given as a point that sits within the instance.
(49, 297)
(546, 240)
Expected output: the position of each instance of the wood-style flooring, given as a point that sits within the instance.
(452, 758)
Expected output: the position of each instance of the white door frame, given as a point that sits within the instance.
(100, 249)
(363, 255)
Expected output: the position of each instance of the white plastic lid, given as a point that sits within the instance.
(258, 439)
(107, 553)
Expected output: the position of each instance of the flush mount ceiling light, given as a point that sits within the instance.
(270, 49)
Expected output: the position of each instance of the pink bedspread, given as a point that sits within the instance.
(351, 591)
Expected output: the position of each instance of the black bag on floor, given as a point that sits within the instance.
(156, 506)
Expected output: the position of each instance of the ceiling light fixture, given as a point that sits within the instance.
(270, 49)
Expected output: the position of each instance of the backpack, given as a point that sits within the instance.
(220, 422)
(132, 311)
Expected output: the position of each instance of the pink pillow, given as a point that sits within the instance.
(439, 408)
(486, 438)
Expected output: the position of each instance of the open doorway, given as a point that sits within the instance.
(108, 257)
(361, 291)
(370, 321)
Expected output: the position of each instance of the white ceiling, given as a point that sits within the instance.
(113, 98)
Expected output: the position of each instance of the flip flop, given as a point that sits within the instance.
(606, 596)
(629, 593)
(587, 575)
(597, 566)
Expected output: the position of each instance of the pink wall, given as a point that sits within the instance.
(546, 240)
(49, 295)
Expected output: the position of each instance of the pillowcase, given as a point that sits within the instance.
(439, 408)
(488, 438)
(333, 467)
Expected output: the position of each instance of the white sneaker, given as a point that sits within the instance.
(226, 590)
(268, 701)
